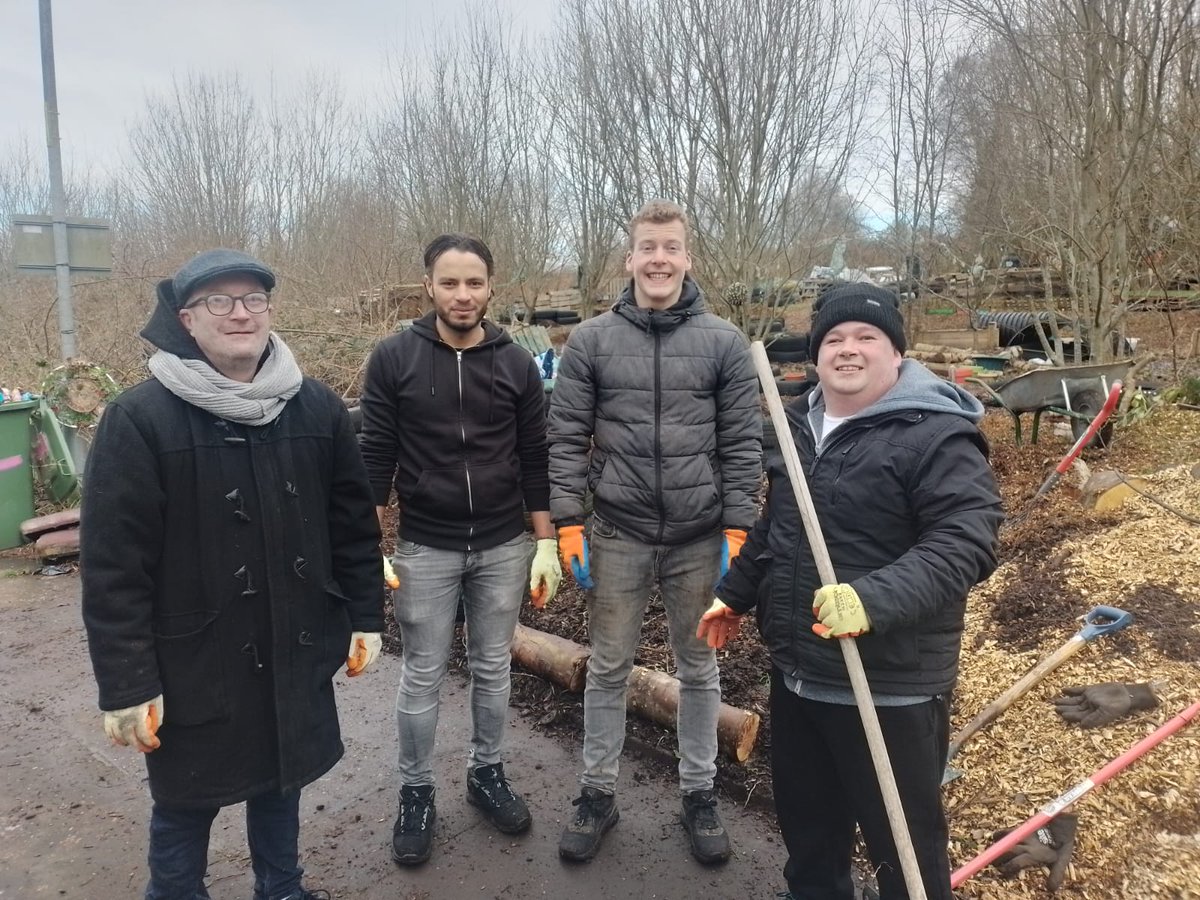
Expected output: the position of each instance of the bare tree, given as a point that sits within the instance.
(196, 164)
(746, 114)
(923, 119)
(1086, 87)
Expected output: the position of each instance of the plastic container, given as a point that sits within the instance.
(16, 471)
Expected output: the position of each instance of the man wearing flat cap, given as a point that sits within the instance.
(898, 473)
(230, 565)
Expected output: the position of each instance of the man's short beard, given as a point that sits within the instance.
(463, 329)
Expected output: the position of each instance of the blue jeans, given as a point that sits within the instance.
(179, 848)
(492, 584)
(624, 569)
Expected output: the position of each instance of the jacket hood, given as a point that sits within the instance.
(690, 303)
(916, 389)
(164, 330)
(493, 334)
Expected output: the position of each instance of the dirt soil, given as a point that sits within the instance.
(74, 809)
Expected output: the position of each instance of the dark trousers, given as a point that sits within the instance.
(825, 784)
(179, 848)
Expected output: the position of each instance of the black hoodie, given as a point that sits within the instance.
(461, 434)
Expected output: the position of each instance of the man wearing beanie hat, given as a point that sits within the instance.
(899, 478)
(230, 556)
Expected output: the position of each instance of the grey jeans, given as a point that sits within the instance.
(624, 569)
(492, 584)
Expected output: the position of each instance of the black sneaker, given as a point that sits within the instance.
(596, 813)
(412, 835)
(710, 843)
(489, 790)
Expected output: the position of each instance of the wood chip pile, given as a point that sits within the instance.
(1139, 834)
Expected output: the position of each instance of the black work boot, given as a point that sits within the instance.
(489, 790)
(595, 813)
(412, 835)
(710, 843)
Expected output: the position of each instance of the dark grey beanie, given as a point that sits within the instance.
(857, 303)
(164, 330)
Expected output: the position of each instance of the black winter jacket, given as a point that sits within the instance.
(225, 566)
(909, 511)
(657, 414)
(461, 432)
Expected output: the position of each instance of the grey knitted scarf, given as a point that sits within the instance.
(258, 402)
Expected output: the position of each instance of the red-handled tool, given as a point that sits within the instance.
(1114, 394)
(1060, 803)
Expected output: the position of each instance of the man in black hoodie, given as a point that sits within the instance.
(454, 418)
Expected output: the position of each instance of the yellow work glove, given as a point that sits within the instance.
(545, 573)
(136, 726)
(364, 647)
(731, 547)
(389, 574)
(719, 624)
(839, 612)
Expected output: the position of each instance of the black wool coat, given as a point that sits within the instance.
(225, 566)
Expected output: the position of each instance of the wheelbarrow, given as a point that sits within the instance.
(1077, 392)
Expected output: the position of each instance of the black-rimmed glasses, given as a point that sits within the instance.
(222, 304)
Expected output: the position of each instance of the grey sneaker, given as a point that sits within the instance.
(490, 792)
(710, 842)
(412, 835)
(595, 813)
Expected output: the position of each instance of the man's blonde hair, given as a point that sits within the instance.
(657, 212)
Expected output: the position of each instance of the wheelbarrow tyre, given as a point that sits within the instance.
(1089, 402)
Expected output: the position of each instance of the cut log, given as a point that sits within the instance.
(655, 696)
(60, 544)
(1108, 490)
(562, 661)
(652, 695)
(32, 529)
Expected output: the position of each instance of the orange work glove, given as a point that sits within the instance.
(734, 538)
(573, 549)
(719, 624)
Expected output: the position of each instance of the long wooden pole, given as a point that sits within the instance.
(854, 666)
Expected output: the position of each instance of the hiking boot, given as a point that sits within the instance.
(412, 835)
(596, 813)
(710, 843)
(490, 792)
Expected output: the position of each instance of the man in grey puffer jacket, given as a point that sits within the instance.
(655, 412)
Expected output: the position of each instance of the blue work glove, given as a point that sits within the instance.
(573, 548)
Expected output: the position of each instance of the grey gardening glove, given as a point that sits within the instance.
(1095, 705)
(1051, 846)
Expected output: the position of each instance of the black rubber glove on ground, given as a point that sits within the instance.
(1095, 705)
(1050, 846)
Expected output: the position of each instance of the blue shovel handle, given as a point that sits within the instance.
(1101, 620)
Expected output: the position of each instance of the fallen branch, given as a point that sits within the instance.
(652, 695)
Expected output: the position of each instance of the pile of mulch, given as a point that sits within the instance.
(1139, 834)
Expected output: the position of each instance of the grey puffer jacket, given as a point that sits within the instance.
(656, 413)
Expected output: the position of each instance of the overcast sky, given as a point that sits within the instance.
(110, 53)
